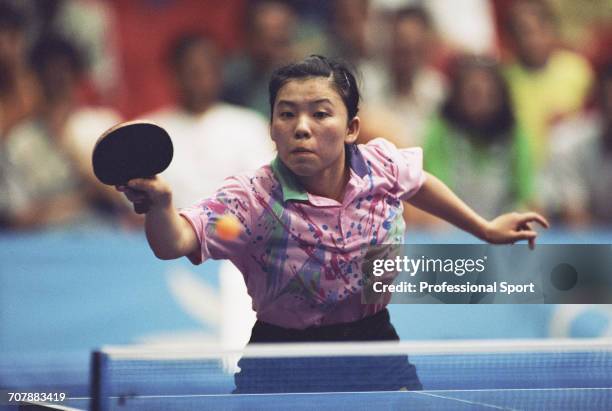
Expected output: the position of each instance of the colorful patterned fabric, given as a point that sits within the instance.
(301, 254)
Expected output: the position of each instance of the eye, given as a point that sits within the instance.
(321, 114)
(285, 114)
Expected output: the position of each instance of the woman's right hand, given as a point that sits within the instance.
(147, 193)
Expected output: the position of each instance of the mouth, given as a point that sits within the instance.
(301, 150)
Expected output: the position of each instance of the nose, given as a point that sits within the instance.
(302, 127)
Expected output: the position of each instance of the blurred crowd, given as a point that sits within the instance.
(510, 99)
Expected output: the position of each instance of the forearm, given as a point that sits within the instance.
(169, 235)
(436, 198)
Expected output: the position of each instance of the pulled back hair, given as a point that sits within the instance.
(338, 73)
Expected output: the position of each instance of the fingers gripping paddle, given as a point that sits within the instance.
(136, 149)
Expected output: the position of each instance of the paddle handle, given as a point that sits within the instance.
(142, 207)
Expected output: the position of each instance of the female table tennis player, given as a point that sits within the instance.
(308, 219)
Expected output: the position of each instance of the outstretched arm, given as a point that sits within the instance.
(436, 198)
(170, 235)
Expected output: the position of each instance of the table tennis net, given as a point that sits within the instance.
(126, 375)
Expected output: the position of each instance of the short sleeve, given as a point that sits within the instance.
(232, 198)
(407, 166)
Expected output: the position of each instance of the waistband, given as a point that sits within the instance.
(376, 327)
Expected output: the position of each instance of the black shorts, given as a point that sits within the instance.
(327, 374)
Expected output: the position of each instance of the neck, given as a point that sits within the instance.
(403, 83)
(329, 183)
(531, 65)
(196, 107)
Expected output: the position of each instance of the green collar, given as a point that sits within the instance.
(292, 190)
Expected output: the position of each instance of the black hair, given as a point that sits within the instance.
(182, 44)
(11, 19)
(54, 46)
(502, 122)
(340, 76)
(414, 12)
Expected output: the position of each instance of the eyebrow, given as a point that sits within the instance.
(293, 104)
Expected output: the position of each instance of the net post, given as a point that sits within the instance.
(98, 382)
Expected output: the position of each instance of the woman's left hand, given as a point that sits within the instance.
(513, 227)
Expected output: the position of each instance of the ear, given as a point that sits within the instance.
(352, 130)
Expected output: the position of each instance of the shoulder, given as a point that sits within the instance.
(571, 68)
(380, 149)
(384, 158)
(86, 124)
(570, 60)
(96, 114)
(262, 180)
(162, 113)
(171, 117)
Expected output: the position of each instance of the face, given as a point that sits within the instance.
(349, 24)
(271, 40)
(534, 37)
(58, 79)
(479, 96)
(198, 76)
(310, 127)
(411, 40)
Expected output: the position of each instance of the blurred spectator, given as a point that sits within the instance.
(145, 29)
(48, 155)
(212, 140)
(270, 42)
(475, 144)
(90, 25)
(351, 38)
(413, 89)
(18, 91)
(547, 82)
(349, 29)
(580, 168)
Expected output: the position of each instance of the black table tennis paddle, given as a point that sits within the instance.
(136, 149)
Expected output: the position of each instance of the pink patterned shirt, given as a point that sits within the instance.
(301, 255)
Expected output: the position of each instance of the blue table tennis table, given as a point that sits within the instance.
(506, 399)
(476, 375)
(588, 392)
